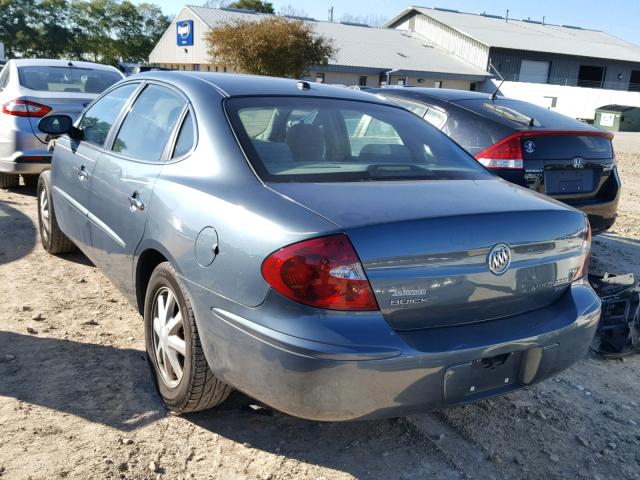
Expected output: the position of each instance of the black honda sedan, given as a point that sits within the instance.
(525, 144)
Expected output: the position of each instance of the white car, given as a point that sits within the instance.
(32, 89)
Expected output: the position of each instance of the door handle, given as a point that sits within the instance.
(83, 175)
(135, 203)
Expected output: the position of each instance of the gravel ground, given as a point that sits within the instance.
(77, 401)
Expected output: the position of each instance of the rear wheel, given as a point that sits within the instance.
(8, 180)
(184, 379)
(51, 237)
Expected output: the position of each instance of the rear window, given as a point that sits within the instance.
(293, 139)
(518, 114)
(66, 79)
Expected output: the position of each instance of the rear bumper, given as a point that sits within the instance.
(404, 372)
(602, 211)
(24, 168)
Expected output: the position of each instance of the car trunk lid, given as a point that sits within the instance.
(70, 104)
(424, 246)
(568, 163)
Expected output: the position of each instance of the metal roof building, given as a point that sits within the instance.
(364, 54)
(528, 50)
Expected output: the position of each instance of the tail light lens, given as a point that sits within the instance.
(25, 108)
(507, 153)
(322, 272)
(583, 266)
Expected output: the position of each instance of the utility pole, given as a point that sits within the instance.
(331, 14)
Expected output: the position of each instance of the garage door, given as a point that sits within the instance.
(534, 71)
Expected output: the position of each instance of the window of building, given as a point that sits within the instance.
(591, 76)
(196, 67)
(634, 81)
(320, 77)
(473, 86)
(362, 81)
(224, 69)
(401, 81)
(437, 84)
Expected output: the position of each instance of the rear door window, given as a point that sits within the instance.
(99, 118)
(186, 138)
(334, 140)
(146, 129)
(66, 79)
(4, 77)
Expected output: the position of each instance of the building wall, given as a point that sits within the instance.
(168, 52)
(575, 102)
(430, 29)
(564, 69)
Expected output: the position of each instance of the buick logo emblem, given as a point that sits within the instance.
(578, 162)
(499, 258)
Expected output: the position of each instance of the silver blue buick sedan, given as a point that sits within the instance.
(318, 248)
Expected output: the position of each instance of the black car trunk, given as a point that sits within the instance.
(571, 165)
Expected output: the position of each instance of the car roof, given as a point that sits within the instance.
(447, 94)
(46, 62)
(234, 85)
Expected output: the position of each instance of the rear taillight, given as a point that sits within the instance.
(583, 266)
(25, 108)
(322, 272)
(507, 153)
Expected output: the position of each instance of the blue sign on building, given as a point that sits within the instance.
(184, 30)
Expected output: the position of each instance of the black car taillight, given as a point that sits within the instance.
(507, 153)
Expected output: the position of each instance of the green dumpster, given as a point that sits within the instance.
(618, 118)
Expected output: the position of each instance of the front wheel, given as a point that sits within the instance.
(51, 237)
(183, 377)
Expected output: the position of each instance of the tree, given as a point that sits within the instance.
(104, 31)
(275, 46)
(291, 11)
(255, 5)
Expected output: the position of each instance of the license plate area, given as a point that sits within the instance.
(483, 377)
(562, 182)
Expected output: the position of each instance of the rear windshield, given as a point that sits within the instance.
(66, 79)
(519, 113)
(293, 139)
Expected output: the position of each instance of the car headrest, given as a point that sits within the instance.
(306, 142)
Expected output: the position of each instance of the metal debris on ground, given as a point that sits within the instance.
(618, 333)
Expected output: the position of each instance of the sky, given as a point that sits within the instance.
(617, 17)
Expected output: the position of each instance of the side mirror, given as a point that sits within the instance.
(56, 124)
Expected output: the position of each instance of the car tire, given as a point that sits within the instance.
(182, 375)
(51, 237)
(30, 181)
(7, 180)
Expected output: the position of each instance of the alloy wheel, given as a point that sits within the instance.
(45, 222)
(168, 337)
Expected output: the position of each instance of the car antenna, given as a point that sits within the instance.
(494, 95)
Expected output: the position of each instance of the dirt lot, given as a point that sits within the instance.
(77, 401)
